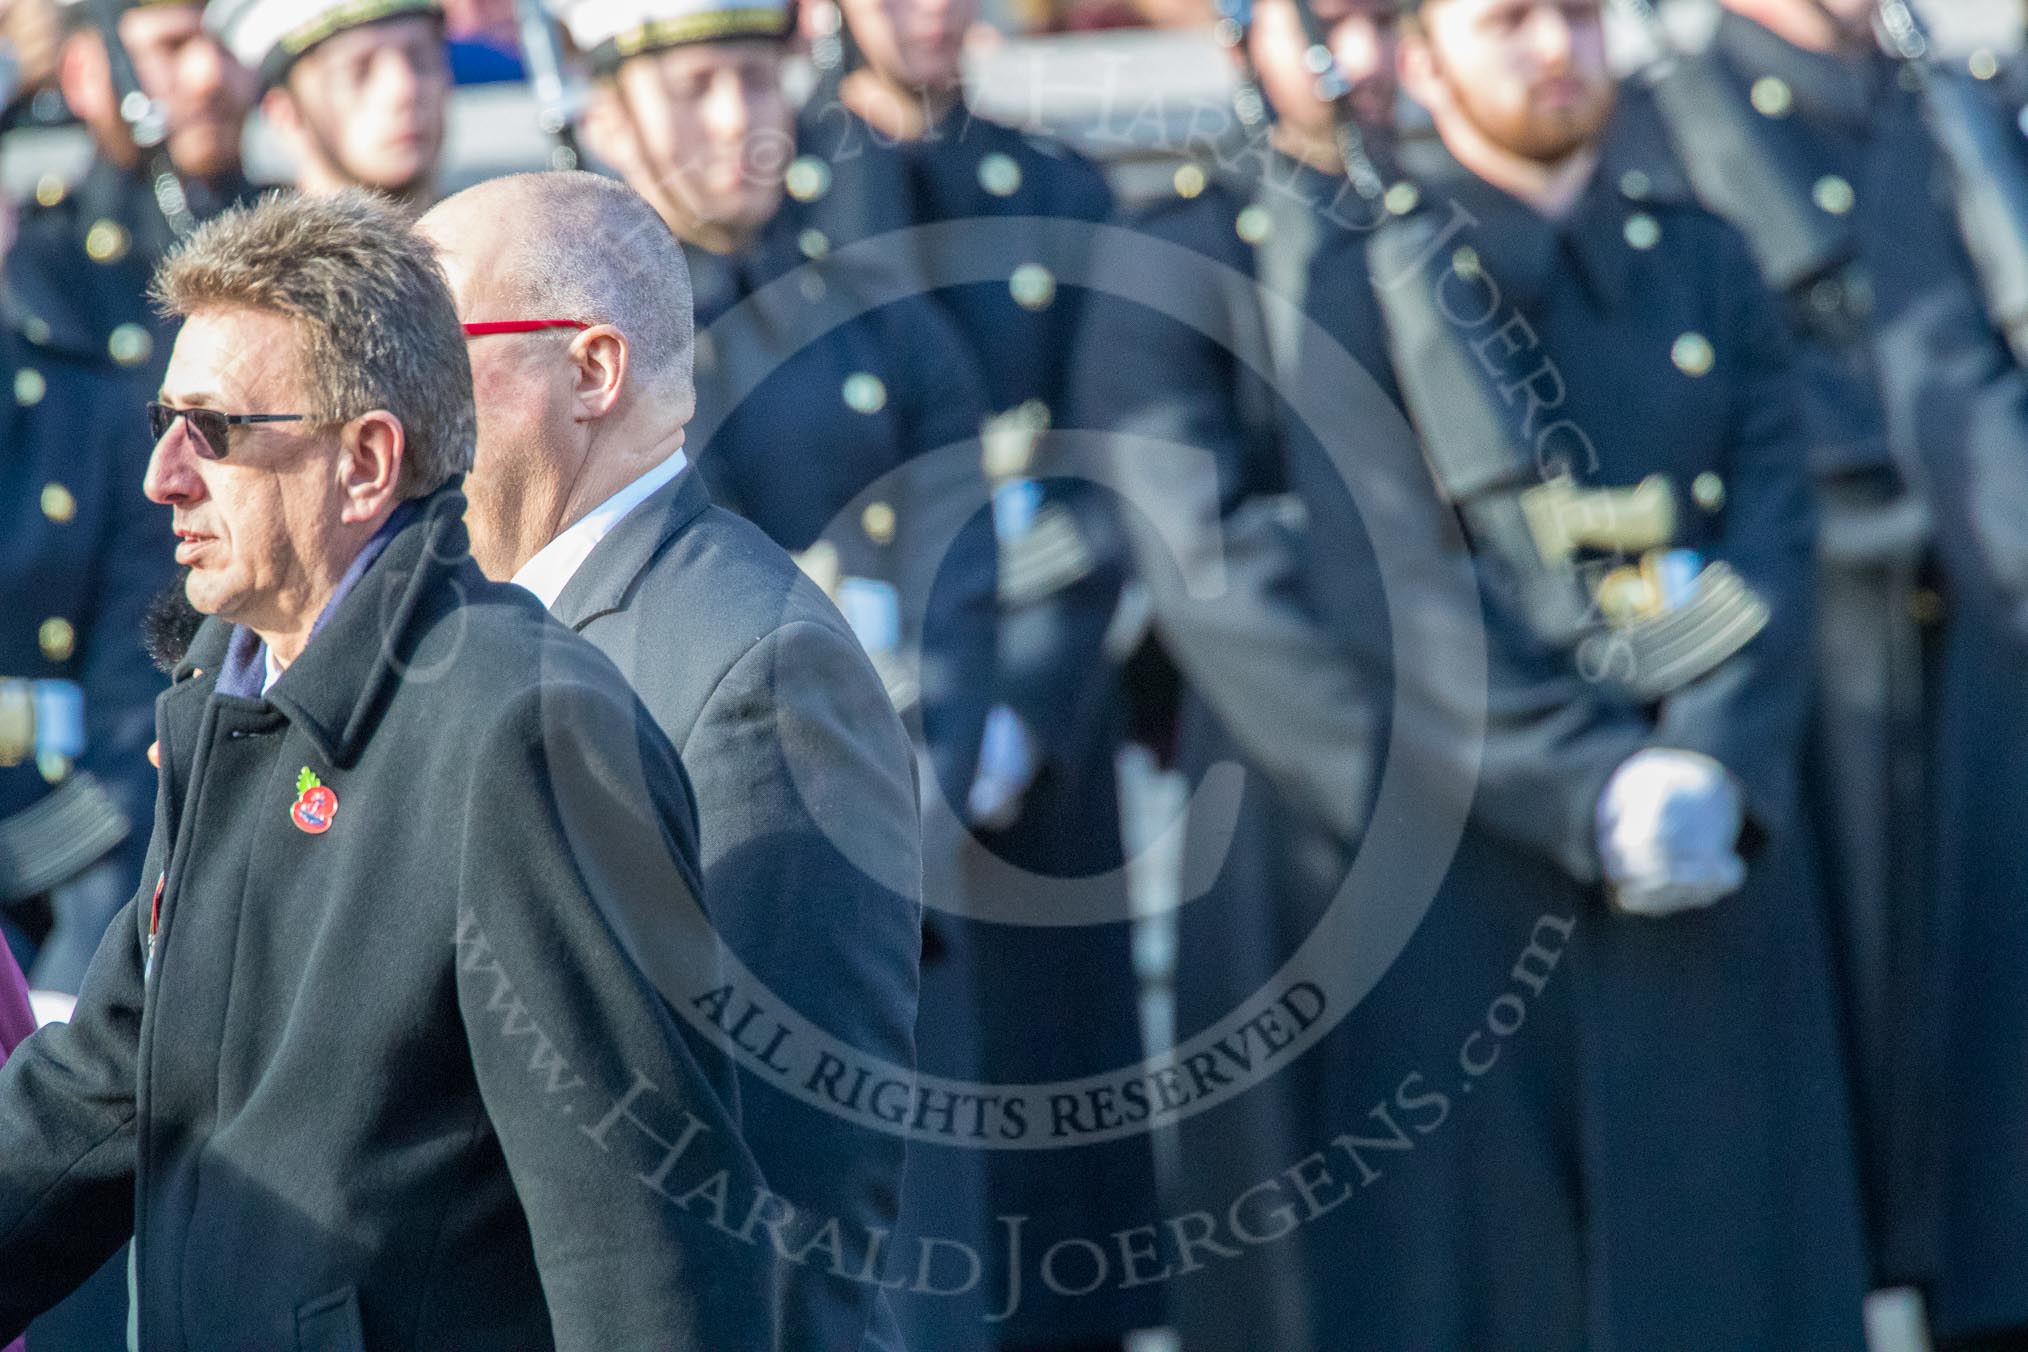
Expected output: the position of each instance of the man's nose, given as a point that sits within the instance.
(396, 79)
(1549, 35)
(1356, 49)
(172, 479)
(727, 110)
(201, 68)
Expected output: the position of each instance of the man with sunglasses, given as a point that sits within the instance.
(376, 1056)
(359, 92)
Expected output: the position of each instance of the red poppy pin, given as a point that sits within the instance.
(315, 805)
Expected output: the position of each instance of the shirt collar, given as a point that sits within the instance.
(557, 562)
(250, 669)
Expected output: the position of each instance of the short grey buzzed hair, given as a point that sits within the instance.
(380, 328)
(594, 250)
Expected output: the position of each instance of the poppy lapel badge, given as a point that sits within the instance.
(315, 804)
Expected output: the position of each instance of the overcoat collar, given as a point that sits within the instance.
(1524, 250)
(1839, 90)
(337, 689)
(609, 572)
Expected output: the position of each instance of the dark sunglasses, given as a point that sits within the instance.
(212, 427)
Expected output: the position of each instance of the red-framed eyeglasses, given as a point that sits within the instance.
(481, 329)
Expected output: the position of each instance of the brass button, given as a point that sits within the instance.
(865, 392)
(1253, 224)
(1402, 198)
(812, 286)
(29, 387)
(1983, 64)
(1643, 231)
(35, 329)
(130, 344)
(1033, 286)
(1635, 185)
(999, 175)
(808, 178)
(1693, 355)
(50, 190)
(1707, 490)
(58, 639)
(1190, 181)
(59, 504)
(878, 522)
(107, 242)
(1772, 97)
(1834, 195)
(1465, 262)
(1926, 606)
(813, 243)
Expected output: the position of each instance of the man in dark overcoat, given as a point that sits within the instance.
(371, 1059)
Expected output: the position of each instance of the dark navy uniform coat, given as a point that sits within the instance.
(1561, 1170)
(840, 411)
(82, 554)
(1920, 792)
(78, 274)
(1194, 443)
(1675, 1124)
(1046, 1009)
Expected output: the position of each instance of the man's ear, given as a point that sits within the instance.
(600, 126)
(85, 78)
(371, 452)
(599, 355)
(1415, 63)
(278, 106)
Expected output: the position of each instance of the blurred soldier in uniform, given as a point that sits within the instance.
(888, 143)
(1917, 784)
(1601, 1081)
(82, 558)
(84, 554)
(840, 412)
(358, 91)
(1196, 446)
(77, 276)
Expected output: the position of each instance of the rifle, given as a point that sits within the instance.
(556, 96)
(146, 119)
(1989, 182)
(1743, 170)
(1531, 527)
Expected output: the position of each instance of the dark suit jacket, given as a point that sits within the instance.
(812, 849)
(388, 1075)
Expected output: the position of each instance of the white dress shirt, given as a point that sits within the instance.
(557, 562)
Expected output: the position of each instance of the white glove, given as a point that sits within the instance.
(1668, 832)
(1007, 766)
